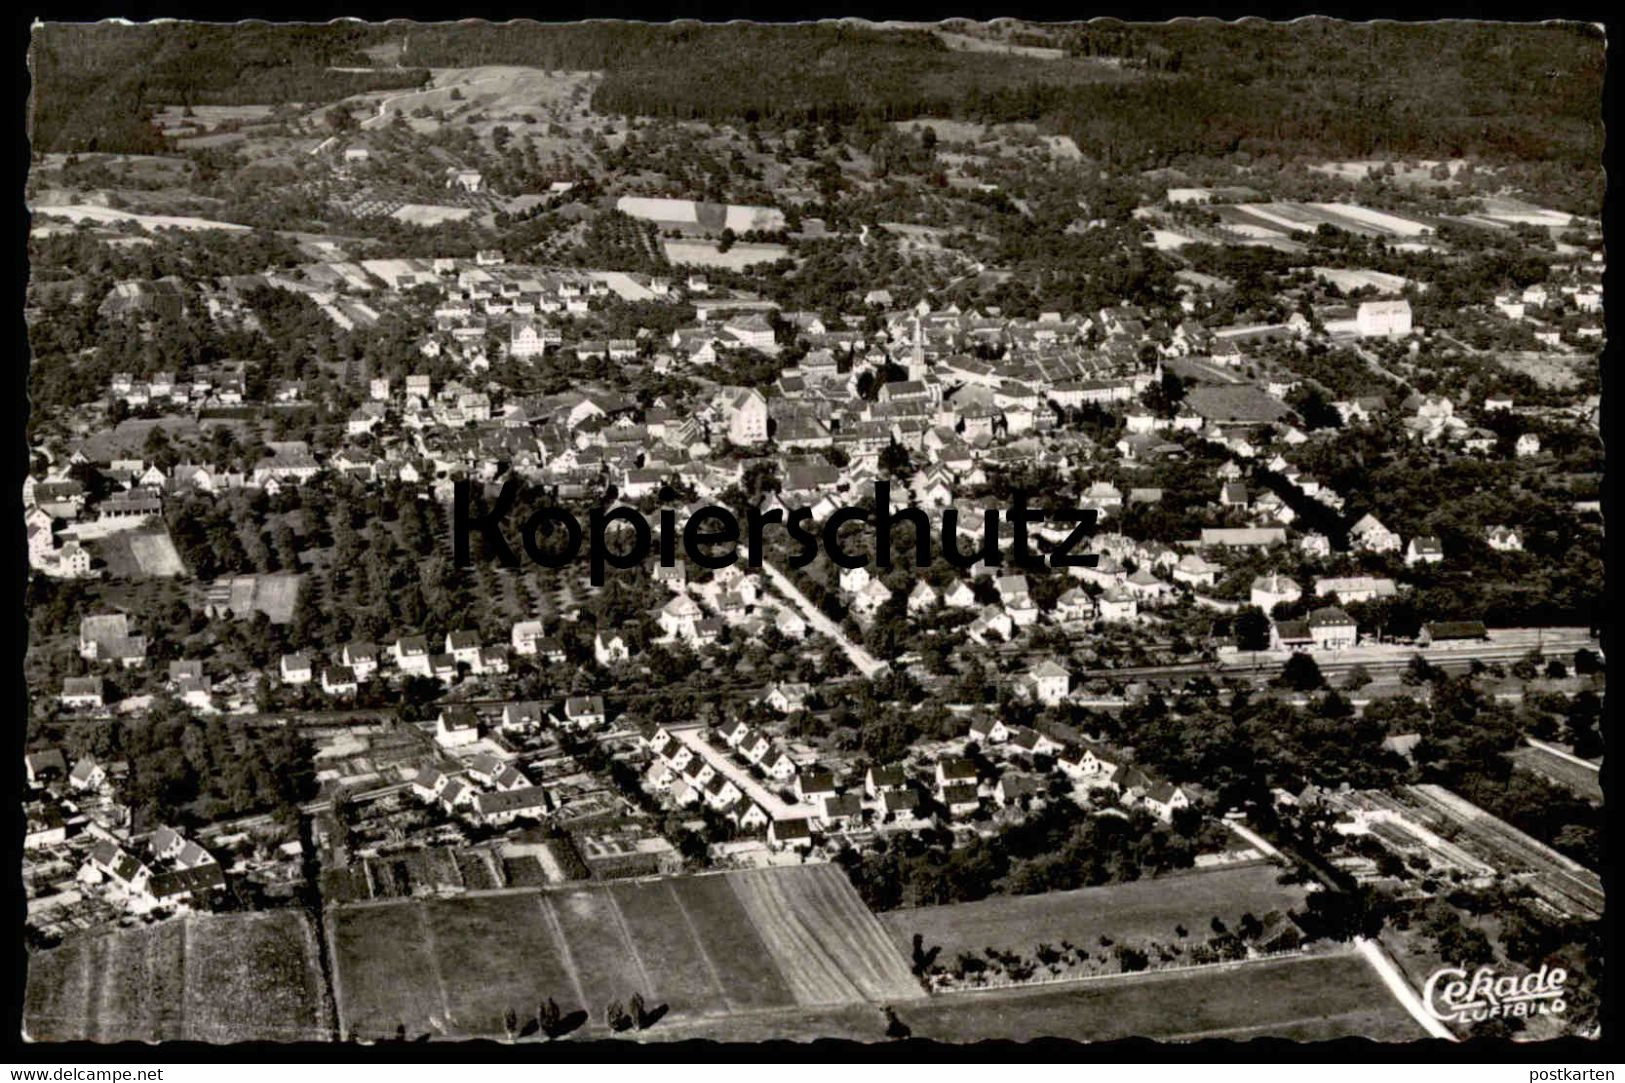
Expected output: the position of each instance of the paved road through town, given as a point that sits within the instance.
(866, 663)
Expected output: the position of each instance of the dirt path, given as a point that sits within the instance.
(1400, 988)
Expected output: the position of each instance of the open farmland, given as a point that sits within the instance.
(1306, 998)
(237, 977)
(425, 214)
(1133, 911)
(482, 98)
(108, 215)
(1302, 997)
(1417, 174)
(811, 918)
(1554, 370)
(700, 946)
(1283, 219)
(137, 554)
(708, 254)
(273, 594)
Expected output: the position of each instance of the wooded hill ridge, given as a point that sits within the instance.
(1131, 96)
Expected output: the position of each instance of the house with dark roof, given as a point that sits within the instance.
(952, 770)
(961, 799)
(1332, 629)
(1452, 631)
(882, 780)
(790, 834)
(456, 727)
(46, 766)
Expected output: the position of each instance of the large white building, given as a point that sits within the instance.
(527, 339)
(746, 413)
(1383, 319)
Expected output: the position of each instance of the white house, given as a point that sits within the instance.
(790, 834)
(525, 635)
(296, 669)
(1163, 799)
(1371, 536)
(1423, 550)
(609, 649)
(339, 681)
(584, 712)
(1268, 591)
(1051, 682)
(457, 727)
(362, 658)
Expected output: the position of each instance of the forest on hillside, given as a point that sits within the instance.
(1133, 96)
(95, 86)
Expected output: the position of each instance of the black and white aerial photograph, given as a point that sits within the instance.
(587, 536)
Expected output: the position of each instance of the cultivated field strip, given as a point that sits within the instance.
(603, 959)
(237, 977)
(679, 971)
(697, 946)
(830, 948)
(722, 930)
(813, 976)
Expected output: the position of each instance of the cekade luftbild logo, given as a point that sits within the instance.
(1452, 997)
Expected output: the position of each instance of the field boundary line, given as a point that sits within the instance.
(802, 910)
(874, 954)
(187, 967)
(565, 956)
(337, 976)
(434, 960)
(93, 993)
(1374, 955)
(631, 943)
(1558, 752)
(710, 964)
